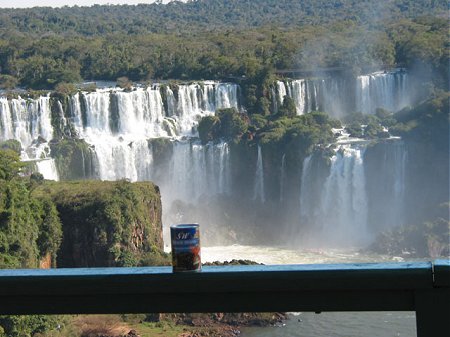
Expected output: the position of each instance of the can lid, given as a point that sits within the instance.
(190, 225)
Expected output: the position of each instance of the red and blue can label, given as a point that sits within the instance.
(185, 247)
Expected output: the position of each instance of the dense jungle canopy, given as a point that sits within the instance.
(215, 39)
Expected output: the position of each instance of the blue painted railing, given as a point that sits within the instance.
(423, 287)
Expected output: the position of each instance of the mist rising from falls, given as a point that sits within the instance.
(380, 90)
(120, 123)
(340, 96)
(386, 171)
(197, 171)
(150, 134)
(259, 193)
(339, 215)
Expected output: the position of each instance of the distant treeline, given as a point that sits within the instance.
(200, 15)
(212, 39)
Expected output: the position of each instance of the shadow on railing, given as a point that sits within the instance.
(423, 287)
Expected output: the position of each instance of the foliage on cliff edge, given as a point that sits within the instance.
(108, 223)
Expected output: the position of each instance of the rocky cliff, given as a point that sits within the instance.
(107, 224)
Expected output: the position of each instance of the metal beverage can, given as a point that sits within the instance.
(185, 240)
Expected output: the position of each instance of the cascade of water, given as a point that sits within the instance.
(26, 120)
(306, 206)
(226, 96)
(29, 122)
(340, 216)
(259, 193)
(282, 176)
(97, 120)
(195, 171)
(382, 90)
(378, 90)
(332, 97)
(6, 127)
(297, 91)
(171, 102)
(400, 158)
(344, 202)
(394, 168)
(141, 113)
(48, 169)
(273, 95)
(224, 180)
(311, 96)
(281, 91)
(188, 107)
(196, 101)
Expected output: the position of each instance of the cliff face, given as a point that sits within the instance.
(107, 224)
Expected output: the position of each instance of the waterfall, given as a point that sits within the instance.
(259, 179)
(118, 123)
(26, 120)
(281, 91)
(196, 171)
(382, 90)
(48, 169)
(298, 93)
(339, 217)
(295, 89)
(399, 159)
(6, 127)
(120, 128)
(388, 90)
(331, 96)
(226, 96)
(282, 176)
(29, 122)
(306, 204)
(386, 174)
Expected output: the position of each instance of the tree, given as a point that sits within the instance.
(208, 128)
(8, 82)
(232, 123)
(10, 164)
(288, 107)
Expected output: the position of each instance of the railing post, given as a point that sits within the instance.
(432, 312)
(433, 305)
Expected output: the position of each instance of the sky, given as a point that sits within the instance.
(60, 3)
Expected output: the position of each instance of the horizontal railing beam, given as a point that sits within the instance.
(337, 287)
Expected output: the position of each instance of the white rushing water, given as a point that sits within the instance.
(339, 217)
(196, 171)
(387, 90)
(28, 121)
(259, 193)
(119, 123)
(295, 89)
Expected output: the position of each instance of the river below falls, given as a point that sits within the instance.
(326, 324)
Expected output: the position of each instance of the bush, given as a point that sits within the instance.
(8, 82)
(209, 129)
(11, 144)
(64, 88)
(355, 130)
(228, 124)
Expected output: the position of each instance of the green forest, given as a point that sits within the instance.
(213, 39)
(73, 224)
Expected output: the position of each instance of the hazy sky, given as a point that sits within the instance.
(59, 3)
